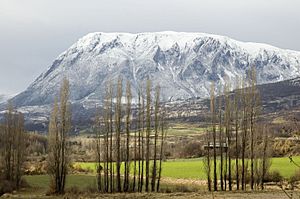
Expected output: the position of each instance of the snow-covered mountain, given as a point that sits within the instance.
(184, 64)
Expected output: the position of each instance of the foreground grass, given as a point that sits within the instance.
(43, 181)
(194, 169)
(274, 194)
(39, 185)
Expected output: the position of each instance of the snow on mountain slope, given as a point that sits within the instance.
(5, 97)
(184, 64)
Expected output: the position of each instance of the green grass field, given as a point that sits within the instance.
(184, 129)
(42, 181)
(193, 168)
(177, 169)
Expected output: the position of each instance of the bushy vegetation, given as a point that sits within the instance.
(274, 176)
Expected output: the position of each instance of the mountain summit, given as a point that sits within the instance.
(184, 64)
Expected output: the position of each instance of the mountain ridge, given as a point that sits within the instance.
(184, 64)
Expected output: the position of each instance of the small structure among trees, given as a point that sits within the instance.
(209, 146)
(241, 138)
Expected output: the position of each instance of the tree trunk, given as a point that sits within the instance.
(156, 125)
(148, 130)
(118, 117)
(221, 143)
(213, 115)
(163, 136)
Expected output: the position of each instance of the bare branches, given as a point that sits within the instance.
(13, 145)
(128, 148)
(60, 124)
(241, 111)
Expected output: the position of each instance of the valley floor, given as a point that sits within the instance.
(189, 184)
(216, 195)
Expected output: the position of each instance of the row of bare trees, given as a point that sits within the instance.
(236, 144)
(130, 140)
(12, 147)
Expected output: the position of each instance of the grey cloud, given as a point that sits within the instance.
(34, 32)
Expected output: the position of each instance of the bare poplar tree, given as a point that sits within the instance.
(98, 150)
(107, 141)
(106, 162)
(251, 129)
(253, 114)
(213, 122)
(135, 156)
(244, 132)
(148, 131)
(139, 126)
(228, 132)
(13, 145)
(59, 127)
(128, 121)
(207, 161)
(118, 116)
(221, 142)
(163, 137)
(107, 147)
(142, 121)
(156, 129)
(236, 105)
(54, 150)
(265, 156)
(65, 126)
(19, 149)
(111, 168)
(9, 142)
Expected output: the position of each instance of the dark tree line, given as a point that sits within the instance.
(240, 154)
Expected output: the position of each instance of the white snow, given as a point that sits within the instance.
(98, 57)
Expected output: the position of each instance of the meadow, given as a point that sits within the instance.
(175, 173)
(194, 169)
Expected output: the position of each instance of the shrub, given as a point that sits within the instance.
(294, 179)
(91, 189)
(192, 150)
(273, 176)
(77, 168)
(6, 187)
(74, 190)
(35, 169)
(178, 188)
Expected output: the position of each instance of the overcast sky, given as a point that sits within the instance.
(34, 32)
